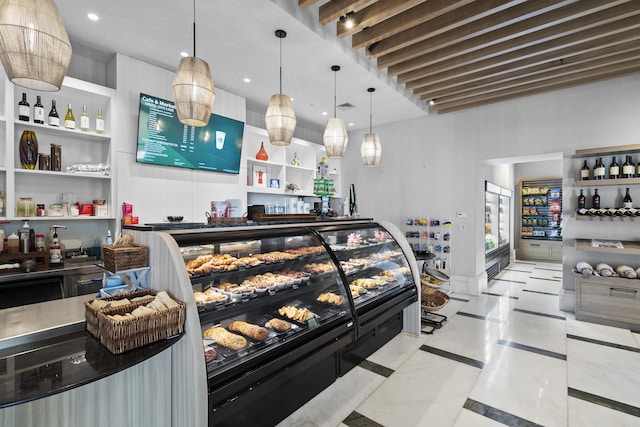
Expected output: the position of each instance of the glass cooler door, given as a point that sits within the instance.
(261, 291)
(491, 213)
(373, 263)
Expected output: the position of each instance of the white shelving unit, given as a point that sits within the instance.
(45, 187)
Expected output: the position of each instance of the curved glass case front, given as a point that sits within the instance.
(373, 263)
(257, 294)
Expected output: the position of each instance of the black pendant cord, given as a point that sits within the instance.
(280, 66)
(335, 97)
(194, 28)
(370, 112)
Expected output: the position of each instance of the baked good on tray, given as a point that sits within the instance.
(330, 298)
(299, 314)
(255, 332)
(225, 338)
(278, 325)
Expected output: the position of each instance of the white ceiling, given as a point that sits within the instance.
(236, 38)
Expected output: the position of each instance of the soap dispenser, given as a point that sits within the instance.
(24, 238)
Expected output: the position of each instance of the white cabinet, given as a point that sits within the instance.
(279, 166)
(77, 147)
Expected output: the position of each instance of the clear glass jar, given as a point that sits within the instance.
(26, 207)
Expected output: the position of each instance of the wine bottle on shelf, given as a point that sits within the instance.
(626, 202)
(69, 120)
(608, 212)
(581, 200)
(628, 168)
(596, 200)
(630, 212)
(583, 211)
(585, 172)
(619, 212)
(84, 119)
(54, 119)
(598, 169)
(614, 169)
(38, 111)
(24, 111)
(99, 122)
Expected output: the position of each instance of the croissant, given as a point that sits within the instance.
(225, 338)
(255, 332)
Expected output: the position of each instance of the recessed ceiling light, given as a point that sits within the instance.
(247, 80)
(324, 113)
(184, 54)
(93, 16)
(291, 99)
(350, 124)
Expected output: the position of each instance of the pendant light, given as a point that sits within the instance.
(371, 150)
(193, 90)
(34, 46)
(280, 118)
(335, 136)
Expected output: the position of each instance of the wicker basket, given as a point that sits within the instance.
(125, 335)
(91, 314)
(433, 299)
(118, 258)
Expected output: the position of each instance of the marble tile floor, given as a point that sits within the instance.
(506, 357)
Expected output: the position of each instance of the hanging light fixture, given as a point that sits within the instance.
(371, 150)
(335, 136)
(193, 90)
(280, 118)
(34, 46)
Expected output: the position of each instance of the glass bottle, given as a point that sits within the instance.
(614, 169)
(38, 112)
(69, 120)
(626, 202)
(23, 109)
(596, 200)
(54, 119)
(598, 169)
(99, 122)
(628, 168)
(84, 119)
(585, 172)
(581, 200)
(28, 148)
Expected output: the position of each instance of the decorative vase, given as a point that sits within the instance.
(295, 161)
(262, 154)
(28, 149)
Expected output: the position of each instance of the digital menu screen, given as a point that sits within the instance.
(163, 140)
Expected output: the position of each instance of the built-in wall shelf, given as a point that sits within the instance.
(603, 182)
(603, 151)
(629, 248)
(607, 218)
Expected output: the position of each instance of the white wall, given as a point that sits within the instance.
(436, 164)
(158, 191)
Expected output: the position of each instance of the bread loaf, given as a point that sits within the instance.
(255, 332)
(225, 338)
(278, 325)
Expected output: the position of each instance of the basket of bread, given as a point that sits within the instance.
(93, 307)
(433, 299)
(125, 255)
(135, 321)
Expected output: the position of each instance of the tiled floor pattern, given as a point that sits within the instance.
(506, 357)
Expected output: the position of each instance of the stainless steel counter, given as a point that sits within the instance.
(68, 268)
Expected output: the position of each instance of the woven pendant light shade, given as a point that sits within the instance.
(371, 150)
(280, 120)
(335, 138)
(34, 46)
(193, 91)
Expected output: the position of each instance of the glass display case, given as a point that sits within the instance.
(287, 308)
(497, 228)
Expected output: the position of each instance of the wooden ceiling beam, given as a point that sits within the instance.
(447, 80)
(374, 14)
(405, 20)
(552, 17)
(567, 38)
(630, 67)
(303, 4)
(559, 70)
(528, 72)
(438, 25)
(334, 9)
(464, 32)
(594, 79)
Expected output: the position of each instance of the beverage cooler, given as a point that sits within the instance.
(284, 310)
(497, 228)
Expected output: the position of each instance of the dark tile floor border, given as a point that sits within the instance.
(605, 343)
(452, 356)
(545, 278)
(540, 292)
(460, 299)
(376, 368)
(548, 269)
(518, 271)
(479, 317)
(537, 313)
(499, 295)
(497, 279)
(603, 401)
(525, 262)
(498, 414)
(356, 419)
(533, 349)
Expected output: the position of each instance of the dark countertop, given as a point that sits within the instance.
(40, 369)
(164, 226)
